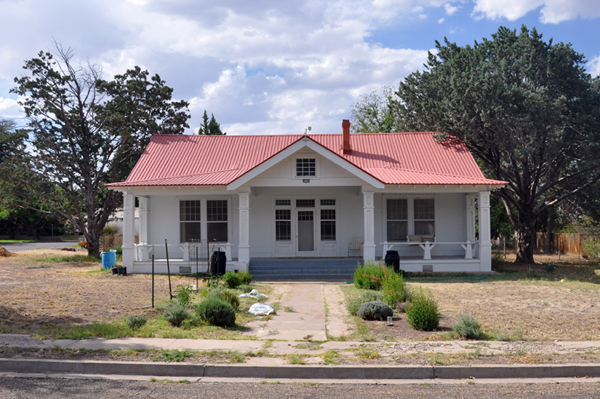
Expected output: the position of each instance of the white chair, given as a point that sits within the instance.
(356, 245)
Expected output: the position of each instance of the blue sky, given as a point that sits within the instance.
(273, 66)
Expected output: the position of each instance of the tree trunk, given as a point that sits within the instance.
(93, 243)
(525, 238)
(549, 228)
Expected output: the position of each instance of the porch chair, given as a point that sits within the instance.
(356, 245)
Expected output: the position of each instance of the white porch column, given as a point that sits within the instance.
(144, 211)
(485, 244)
(369, 223)
(244, 222)
(128, 229)
(470, 198)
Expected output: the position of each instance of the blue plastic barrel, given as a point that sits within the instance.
(109, 259)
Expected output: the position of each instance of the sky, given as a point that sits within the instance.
(273, 66)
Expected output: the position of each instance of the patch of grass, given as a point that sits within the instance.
(330, 357)
(15, 241)
(295, 359)
(468, 327)
(289, 309)
(69, 259)
(502, 334)
(367, 352)
(174, 355)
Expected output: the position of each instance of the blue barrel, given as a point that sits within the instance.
(109, 259)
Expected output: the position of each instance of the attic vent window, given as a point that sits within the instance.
(306, 167)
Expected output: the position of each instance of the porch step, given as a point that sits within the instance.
(303, 269)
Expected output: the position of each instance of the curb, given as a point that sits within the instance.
(299, 372)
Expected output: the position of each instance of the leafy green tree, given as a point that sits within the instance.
(86, 132)
(210, 127)
(372, 113)
(526, 108)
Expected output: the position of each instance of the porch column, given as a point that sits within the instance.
(485, 244)
(244, 222)
(369, 223)
(470, 217)
(144, 210)
(128, 229)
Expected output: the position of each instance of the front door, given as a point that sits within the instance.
(306, 232)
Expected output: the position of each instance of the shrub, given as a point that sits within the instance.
(422, 312)
(353, 303)
(216, 312)
(375, 311)
(176, 314)
(135, 322)
(369, 276)
(184, 292)
(245, 277)
(549, 267)
(245, 288)
(226, 296)
(468, 327)
(232, 280)
(591, 248)
(393, 288)
(497, 261)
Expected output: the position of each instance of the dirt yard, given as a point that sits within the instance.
(36, 294)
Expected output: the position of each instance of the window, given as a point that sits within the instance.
(216, 220)
(283, 225)
(327, 202)
(397, 219)
(189, 221)
(305, 203)
(283, 202)
(327, 224)
(424, 217)
(306, 167)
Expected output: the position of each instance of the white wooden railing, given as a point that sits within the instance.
(427, 246)
(143, 251)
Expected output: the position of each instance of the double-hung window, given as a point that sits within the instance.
(189, 220)
(425, 217)
(216, 220)
(328, 232)
(397, 219)
(283, 220)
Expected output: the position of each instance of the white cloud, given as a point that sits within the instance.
(450, 9)
(9, 108)
(552, 11)
(441, 21)
(594, 66)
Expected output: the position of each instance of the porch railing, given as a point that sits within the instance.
(427, 246)
(188, 251)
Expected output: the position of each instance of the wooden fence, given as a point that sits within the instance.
(567, 243)
(112, 241)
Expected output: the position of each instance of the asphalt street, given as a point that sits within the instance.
(76, 388)
(25, 246)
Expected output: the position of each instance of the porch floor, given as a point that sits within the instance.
(303, 269)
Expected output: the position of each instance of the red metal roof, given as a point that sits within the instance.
(392, 158)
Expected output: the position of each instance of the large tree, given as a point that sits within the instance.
(526, 108)
(372, 113)
(86, 132)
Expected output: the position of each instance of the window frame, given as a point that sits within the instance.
(204, 216)
(410, 198)
(317, 167)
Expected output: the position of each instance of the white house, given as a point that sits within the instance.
(308, 196)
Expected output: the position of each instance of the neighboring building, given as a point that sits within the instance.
(309, 196)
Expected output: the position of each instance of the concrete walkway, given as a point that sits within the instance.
(301, 314)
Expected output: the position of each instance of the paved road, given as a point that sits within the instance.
(66, 388)
(25, 246)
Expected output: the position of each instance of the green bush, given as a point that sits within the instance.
(176, 314)
(375, 311)
(369, 276)
(468, 327)
(422, 311)
(353, 303)
(245, 288)
(246, 277)
(393, 288)
(591, 248)
(226, 296)
(216, 312)
(184, 293)
(136, 322)
(232, 279)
